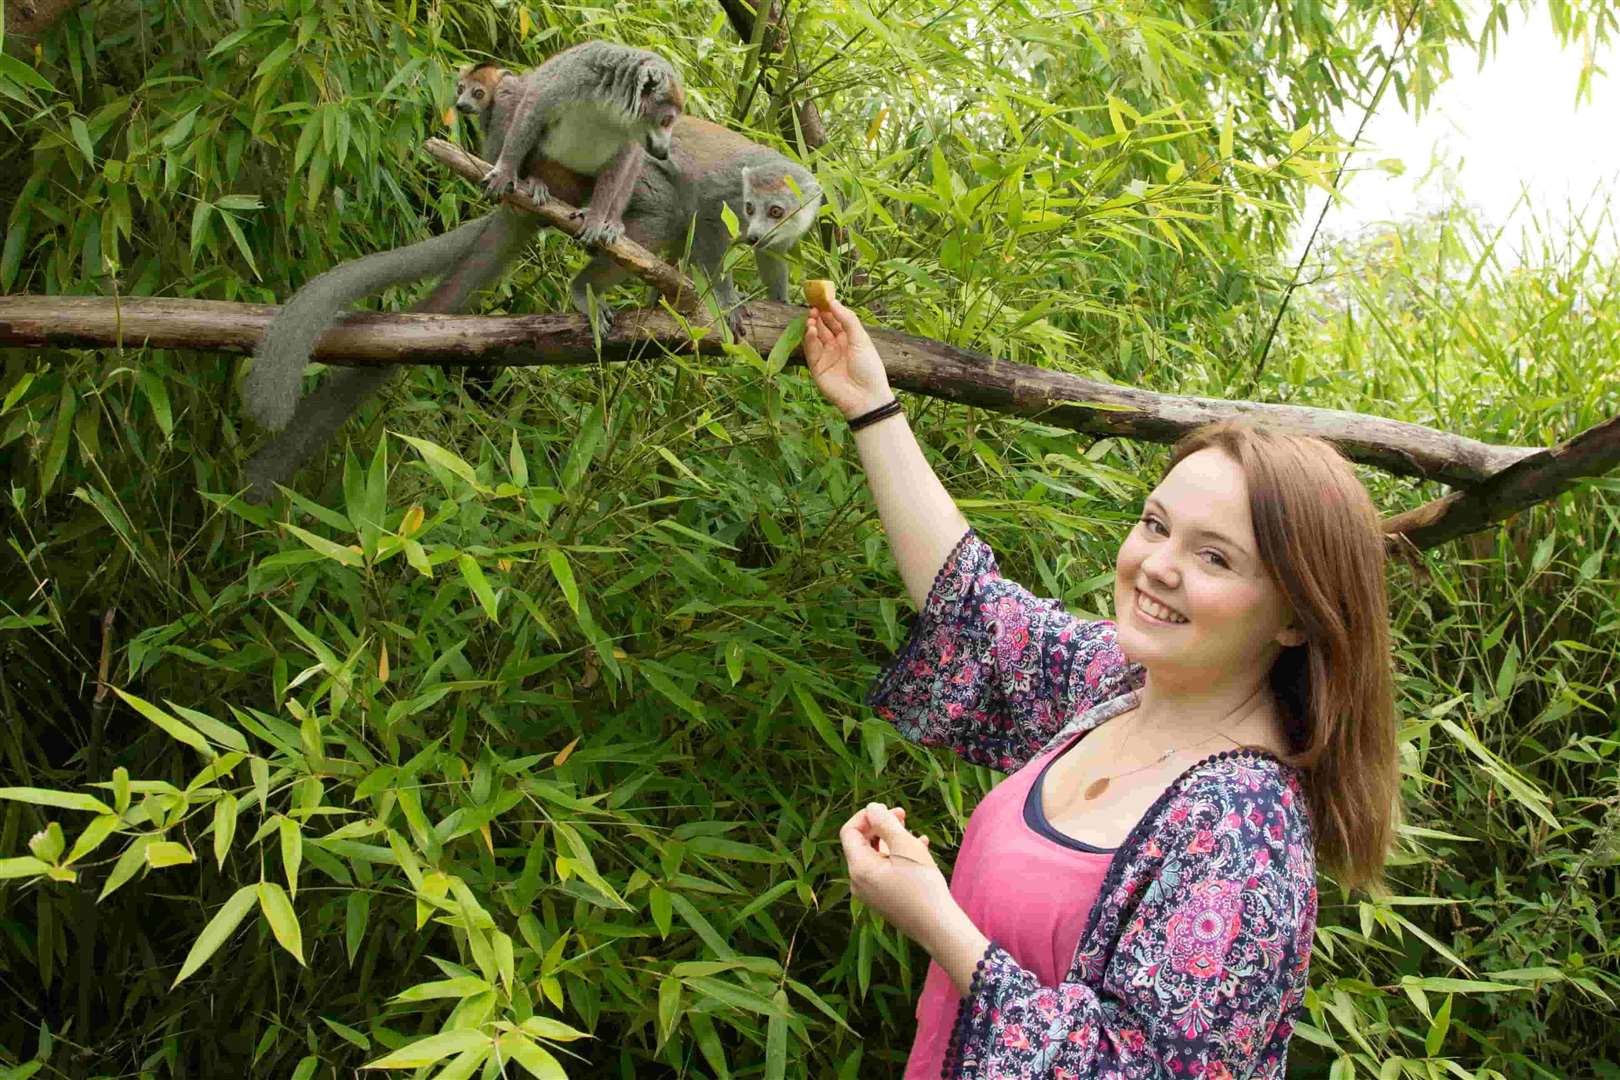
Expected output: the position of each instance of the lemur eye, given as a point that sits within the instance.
(776, 212)
(669, 121)
(748, 208)
(478, 93)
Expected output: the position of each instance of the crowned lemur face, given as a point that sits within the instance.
(475, 89)
(777, 212)
(661, 102)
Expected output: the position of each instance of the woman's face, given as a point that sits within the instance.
(1191, 597)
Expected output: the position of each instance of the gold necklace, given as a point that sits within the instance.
(1100, 785)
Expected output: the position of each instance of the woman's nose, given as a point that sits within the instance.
(1161, 564)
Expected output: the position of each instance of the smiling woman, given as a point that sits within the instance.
(1139, 898)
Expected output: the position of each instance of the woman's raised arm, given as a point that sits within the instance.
(919, 517)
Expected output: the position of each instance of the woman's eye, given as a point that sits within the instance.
(1150, 521)
(1217, 558)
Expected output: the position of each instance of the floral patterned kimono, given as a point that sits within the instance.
(1194, 960)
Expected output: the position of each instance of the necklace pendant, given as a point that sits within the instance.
(1096, 788)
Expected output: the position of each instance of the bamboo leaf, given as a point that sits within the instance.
(437, 455)
(217, 932)
(62, 800)
(535, 1061)
(23, 866)
(176, 728)
(473, 574)
(334, 551)
(564, 574)
(292, 851)
(225, 810)
(278, 912)
(431, 1049)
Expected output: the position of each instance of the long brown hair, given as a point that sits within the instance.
(1320, 537)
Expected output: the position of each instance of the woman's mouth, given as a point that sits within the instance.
(1157, 612)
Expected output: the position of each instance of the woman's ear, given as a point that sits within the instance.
(1291, 634)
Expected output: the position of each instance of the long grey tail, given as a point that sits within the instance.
(270, 391)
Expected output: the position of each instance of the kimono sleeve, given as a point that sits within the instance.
(990, 670)
(1205, 979)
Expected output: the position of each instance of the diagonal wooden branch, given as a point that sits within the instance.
(1542, 476)
(675, 286)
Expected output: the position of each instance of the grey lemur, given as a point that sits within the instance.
(590, 109)
(774, 199)
(708, 166)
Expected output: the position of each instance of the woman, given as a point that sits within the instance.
(1139, 897)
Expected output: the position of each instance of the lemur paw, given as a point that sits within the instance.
(604, 321)
(737, 319)
(600, 233)
(499, 180)
(533, 188)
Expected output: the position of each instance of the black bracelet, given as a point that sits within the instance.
(882, 412)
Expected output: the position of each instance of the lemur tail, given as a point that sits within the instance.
(270, 391)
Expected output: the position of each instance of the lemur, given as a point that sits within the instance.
(774, 199)
(590, 109)
(708, 166)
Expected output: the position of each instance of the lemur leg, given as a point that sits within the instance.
(709, 247)
(320, 414)
(604, 215)
(598, 276)
(773, 271)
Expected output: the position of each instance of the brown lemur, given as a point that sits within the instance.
(590, 109)
(708, 166)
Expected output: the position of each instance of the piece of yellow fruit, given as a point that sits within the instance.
(819, 293)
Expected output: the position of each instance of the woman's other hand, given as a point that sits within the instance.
(891, 870)
(843, 361)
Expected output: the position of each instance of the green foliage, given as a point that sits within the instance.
(521, 734)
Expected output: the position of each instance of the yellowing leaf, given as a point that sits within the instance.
(337, 552)
(566, 752)
(278, 912)
(535, 1061)
(546, 1028)
(433, 1048)
(161, 853)
(292, 851)
(382, 662)
(219, 928)
(412, 521)
(60, 800)
(224, 827)
(24, 866)
(435, 454)
(94, 833)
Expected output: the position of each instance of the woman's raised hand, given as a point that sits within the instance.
(843, 362)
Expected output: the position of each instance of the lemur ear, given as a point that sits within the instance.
(651, 82)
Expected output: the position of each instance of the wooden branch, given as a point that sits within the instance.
(675, 286)
(914, 363)
(1541, 476)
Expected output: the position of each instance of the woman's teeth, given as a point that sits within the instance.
(1157, 610)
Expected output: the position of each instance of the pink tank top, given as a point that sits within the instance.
(1025, 885)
